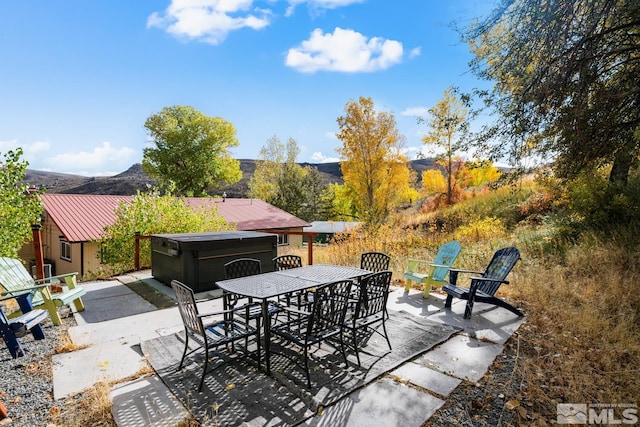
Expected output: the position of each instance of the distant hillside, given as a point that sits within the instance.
(133, 179)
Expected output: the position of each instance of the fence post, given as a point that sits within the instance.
(137, 252)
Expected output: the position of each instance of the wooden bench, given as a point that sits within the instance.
(16, 280)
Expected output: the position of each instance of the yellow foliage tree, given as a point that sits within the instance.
(373, 168)
(480, 172)
(447, 118)
(433, 182)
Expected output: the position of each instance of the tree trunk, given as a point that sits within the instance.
(622, 164)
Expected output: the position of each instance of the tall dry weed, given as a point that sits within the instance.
(581, 339)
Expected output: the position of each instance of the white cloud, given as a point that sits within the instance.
(415, 112)
(30, 151)
(209, 21)
(344, 51)
(102, 158)
(416, 51)
(318, 157)
(317, 5)
(331, 135)
(8, 145)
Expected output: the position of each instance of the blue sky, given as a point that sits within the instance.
(79, 78)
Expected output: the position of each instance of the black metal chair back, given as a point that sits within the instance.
(330, 303)
(374, 261)
(286, 262)
(370, 307)
(242, 267)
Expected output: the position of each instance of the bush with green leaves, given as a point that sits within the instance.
(19, 208)
(152, 213)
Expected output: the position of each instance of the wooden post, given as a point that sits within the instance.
(37, 250)
(137, 252)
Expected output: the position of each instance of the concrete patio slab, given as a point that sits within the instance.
(146, 402)
(487, 321)
(426, 378)
(110, 300)
(143, 325)
(462, 357)
(81, 369)
(383, 403)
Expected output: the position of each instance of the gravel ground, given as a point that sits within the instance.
(489, 402)
(26, 383)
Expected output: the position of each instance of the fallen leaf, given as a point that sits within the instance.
(522, 412)
(512, 404)
(105, 363)
(230, 387)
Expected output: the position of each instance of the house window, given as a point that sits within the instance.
(65, 250)
(283, 239)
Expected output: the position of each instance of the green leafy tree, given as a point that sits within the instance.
(19, 207)
(282, 182)
(447, 121)
(373, 168)
(565, 84)
(191, 151)
(152, 213)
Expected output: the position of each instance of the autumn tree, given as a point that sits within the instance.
(447, 120)
(565, 84)
(282, 182)
(19, 207)
(433, 182)
(191, 151)
(479, 172)
(374, 170)
(152, 213)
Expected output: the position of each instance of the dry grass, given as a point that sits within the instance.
(93, 406)
(581, 340)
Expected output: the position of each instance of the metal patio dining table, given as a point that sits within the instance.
(270, 285)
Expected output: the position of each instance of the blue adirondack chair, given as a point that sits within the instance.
(14, 328)
(16, 280)
(432, 273)
(486, 284)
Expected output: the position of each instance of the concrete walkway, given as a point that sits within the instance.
(117, 319)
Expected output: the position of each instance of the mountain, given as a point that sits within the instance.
(133, 179)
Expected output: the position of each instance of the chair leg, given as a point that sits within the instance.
(184, 353)
(447, 303)
(344, 353)
(355, 345)
(468, 309)
(384, 328)
(407, 285)
(204, 369)
(306, 366)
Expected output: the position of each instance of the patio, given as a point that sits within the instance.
(433, 351)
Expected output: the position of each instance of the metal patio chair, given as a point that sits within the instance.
(370, 308)
(209, 333)
(324, 321)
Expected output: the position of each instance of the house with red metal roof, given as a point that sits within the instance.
(72, 222)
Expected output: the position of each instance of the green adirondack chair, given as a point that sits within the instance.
(432, 273)
(16, 280)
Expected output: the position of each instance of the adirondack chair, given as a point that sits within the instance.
(29, 321)
(432, 273)
(16, 280)
(484, 287)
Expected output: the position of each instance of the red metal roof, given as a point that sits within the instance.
(82, 217)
